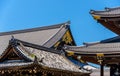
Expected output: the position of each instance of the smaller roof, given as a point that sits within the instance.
(108, 49)
(111, 40)
(45, 57)
(109, 52)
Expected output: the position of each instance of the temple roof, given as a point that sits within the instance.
(41, 55)
(110, 18)
(110, 52)
(111, 40)
(46, 36)
(108, 12)
(108, 49)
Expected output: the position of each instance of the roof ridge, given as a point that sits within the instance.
(84, 45)
(90, 43)
(106, 9)
(39, 47)
(34, 29)
(114, 8)
(110, 39)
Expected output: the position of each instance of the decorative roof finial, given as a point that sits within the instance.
(107, 9)
(86, 44)
(92, 11)
(35, 60)
(12, 37)
(13, 41)
(68, 22)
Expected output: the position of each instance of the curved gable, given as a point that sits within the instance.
(46, 36)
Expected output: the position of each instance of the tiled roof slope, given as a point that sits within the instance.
(111, 40)
(108, 12)
(45, 57)
(46, 36)
(93, 49)
(53, 60)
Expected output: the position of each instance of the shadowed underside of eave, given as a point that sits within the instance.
(110, 52)
(111, 26)
(110, 18)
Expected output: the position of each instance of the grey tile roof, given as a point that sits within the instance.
(108, 12)
(57, 61)
(27, 44)
(46, 36)
(93, 49)
(56, 37)
(49, 59)
(18, 49)
(111, 40)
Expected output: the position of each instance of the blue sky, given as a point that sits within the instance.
(21, 14)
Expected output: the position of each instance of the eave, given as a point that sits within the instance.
(110, 52)
(111, 40)
(111, 26)
(27, 67)
(108, 18)
(17, 49)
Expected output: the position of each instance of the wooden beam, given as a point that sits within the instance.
(111, 26)
(112, 61)
(102, 69)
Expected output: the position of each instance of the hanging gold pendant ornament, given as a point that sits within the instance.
(100, 57)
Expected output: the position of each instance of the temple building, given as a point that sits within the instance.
(47, 51)
(105, 52)
(38, 52)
